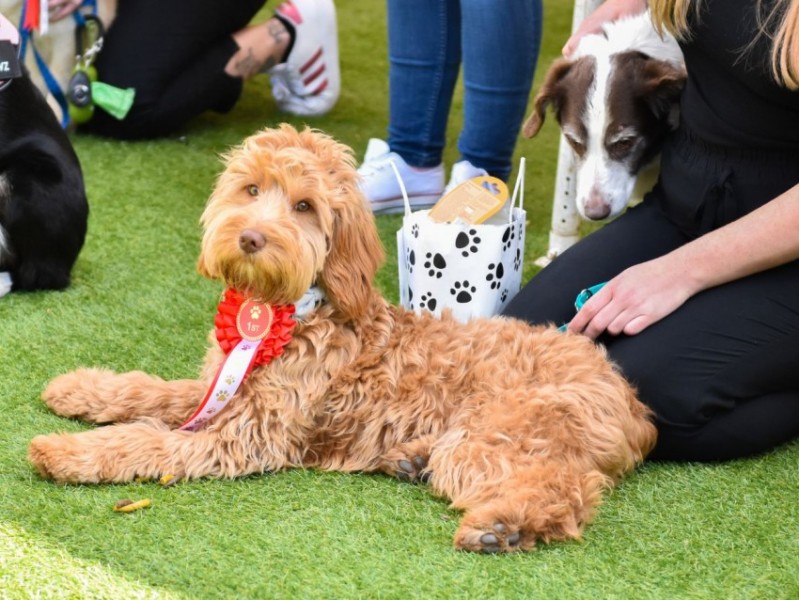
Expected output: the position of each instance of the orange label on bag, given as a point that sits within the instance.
(473, 201)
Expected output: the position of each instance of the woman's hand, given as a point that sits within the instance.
(633, 300)
(607, 11)
(59, 9)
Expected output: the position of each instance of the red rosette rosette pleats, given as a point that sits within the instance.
(228, 336)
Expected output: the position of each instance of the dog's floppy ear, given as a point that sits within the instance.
(355, 255)
(550, 93)
(202, 266)
(663, 84)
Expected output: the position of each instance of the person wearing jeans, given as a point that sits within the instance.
(497, 44)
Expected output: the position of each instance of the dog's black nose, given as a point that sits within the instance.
(251, 241)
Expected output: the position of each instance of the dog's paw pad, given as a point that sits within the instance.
(499, 538)
(413, 470)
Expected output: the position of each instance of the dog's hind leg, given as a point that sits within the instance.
(547, 500)
(146, 449)
(101, 396)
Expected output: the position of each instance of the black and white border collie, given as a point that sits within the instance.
(615, 99)
(43, 206)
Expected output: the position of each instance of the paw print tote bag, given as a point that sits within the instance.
(473, 270)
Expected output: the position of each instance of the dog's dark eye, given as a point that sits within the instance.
(252, 190)
(622, 147)
(302, 206)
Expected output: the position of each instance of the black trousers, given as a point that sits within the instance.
(721, 372)
(173, 54)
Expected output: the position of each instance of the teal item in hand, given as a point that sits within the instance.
(582, 298)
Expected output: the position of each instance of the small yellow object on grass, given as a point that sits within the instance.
(168, 480)
(128, 505)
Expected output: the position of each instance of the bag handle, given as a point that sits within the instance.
(402, 188)
(518, 189)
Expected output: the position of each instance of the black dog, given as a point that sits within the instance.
(43, 206)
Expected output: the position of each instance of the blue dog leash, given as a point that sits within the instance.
(582, 298)
(26, 37)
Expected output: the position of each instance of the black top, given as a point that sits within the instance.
(731, 97)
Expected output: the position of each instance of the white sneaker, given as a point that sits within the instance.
(463, 171)
(309, 82)
(380, 186)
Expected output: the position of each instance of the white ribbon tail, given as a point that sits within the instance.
(225, 384)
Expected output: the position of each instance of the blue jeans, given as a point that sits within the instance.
(498, 43)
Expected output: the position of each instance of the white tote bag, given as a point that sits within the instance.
(473, 270)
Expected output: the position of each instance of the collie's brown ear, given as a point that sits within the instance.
(550, 93)
(356, 254)
(663, 85)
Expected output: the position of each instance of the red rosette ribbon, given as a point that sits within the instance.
(228, 335)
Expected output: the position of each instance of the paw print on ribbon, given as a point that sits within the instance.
(222, 396)
(255, 312)
(463, 290)
(230, 380)
(467, 242)
(435, 264)
(495, 273)
(427, 301)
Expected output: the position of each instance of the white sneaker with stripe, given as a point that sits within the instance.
(309, 82)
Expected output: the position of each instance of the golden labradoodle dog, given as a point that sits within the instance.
(521, 427)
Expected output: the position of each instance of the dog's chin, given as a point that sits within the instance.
(273, 286)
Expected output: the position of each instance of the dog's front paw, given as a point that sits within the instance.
(78, 394)
(59, 457)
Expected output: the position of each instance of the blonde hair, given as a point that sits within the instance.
(673, 16)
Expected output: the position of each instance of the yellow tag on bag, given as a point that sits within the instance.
(473, 201)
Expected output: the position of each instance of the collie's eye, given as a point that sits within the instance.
(252, 190)
(302, 206)
(621, 147)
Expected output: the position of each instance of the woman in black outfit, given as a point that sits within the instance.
(701, 308)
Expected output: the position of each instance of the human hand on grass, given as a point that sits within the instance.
(634, 299)
(607, 11)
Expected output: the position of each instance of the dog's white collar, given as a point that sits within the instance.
(311, 300)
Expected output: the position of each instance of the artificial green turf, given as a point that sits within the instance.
(670, 531)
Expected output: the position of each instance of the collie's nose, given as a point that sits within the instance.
(251, 241)
(596, 208)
